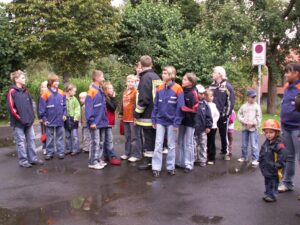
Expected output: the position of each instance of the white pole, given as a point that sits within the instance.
(259, 84)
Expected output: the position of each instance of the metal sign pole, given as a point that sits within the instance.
(259, 84)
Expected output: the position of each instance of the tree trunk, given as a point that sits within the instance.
(272, 93)
(66, 76)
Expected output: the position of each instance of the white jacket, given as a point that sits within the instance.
(214, 113)
(250, 113)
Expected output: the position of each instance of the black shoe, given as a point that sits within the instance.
(269, 199)
(68, 152)
(26, 165)
(171, 172)
(178, 167)
(155, 173)
(61, 156)
(48, 157)
(37, 162)
(187, 170)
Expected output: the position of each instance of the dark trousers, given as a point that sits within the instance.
(271, 185)
(222, 125)
(211, 145)
(149, 138)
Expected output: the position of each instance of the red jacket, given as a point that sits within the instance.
(111, 106)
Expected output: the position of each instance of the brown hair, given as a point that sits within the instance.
(192, 78)
(52, 77)
(96, 73)
(105, 86)
(69, 87)
(207, 92)
(146, 61)
(15, 75)
(292, 67)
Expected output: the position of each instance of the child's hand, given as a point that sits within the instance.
(64, 118)
(207, 130)
(46, 123)
(175, 129)
(154, 126)
(93, 126)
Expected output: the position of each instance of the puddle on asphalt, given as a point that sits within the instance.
(81, 206)
(200, 219)
(64, 170)
(233, 170)
(11, 154)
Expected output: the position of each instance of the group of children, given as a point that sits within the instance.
(187, 110)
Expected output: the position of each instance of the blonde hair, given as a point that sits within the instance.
(96, 73)
(220, 70)
(82, 94)
(192, 78)
(131, 77)
(106, 85)
(44, 83)
(171, 71)
(52, 77)
(15, 75)
(69, 87)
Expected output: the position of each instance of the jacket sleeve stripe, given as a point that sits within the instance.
(11, 104)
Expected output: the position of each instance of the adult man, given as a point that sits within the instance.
(224, 99)
(149, 80)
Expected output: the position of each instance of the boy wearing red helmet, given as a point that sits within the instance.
(272, 159)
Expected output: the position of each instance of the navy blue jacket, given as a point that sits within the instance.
(191, 105)
(272, 158)
(20, 107)
(203, 118)
(290, 118)
(167, 105)
(52, 107)
(224, 97)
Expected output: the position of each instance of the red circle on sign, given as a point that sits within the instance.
(259, 48)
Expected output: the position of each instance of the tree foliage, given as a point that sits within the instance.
(68, 34)
(145, 27)
(11, 56)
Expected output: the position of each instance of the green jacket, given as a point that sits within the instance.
(73, 108)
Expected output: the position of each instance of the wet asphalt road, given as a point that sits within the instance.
(67, 192)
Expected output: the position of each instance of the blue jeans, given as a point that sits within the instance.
(55, 136)
(159, 140)
(186, 147)
(86, 139)
(97, 136)
(131, 140)
(271, 185)
(292, 144)
(253, 136)
(108, 144)
(25, 144)
(72, 140)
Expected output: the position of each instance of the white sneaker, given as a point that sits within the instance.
(165, 151)
(103, 163)
(133, 159)
(148, 154)
(124, 157)
(226, 157)
(97, 166)
(241, 160)
(255, 163)
(44, 151)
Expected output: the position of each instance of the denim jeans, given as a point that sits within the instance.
(25, 144)
(200, 146)
(131, 140)
(97, 136)
(292, 144)
(72, 140)
(86, 139)
(55, 140)
(108, 148)
(186, 151)
(253, 136)
(159, 140)
(271, 185)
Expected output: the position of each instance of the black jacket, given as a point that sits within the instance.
(20, 107)
(272, 158)
(203, 117)
(191, 105)
(149, 80)
(224, 97)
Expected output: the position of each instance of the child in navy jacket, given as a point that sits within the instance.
(52, 110)
(203, 124)
(166, 116)
(272, 159)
